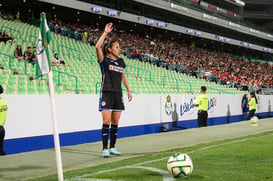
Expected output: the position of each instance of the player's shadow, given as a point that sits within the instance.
(175, 118)
(137, 154)
(80, 151)
(98, 153)
(18, 169)
(269, 109)
(23, 168)
(228, 114)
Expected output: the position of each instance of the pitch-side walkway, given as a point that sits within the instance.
(35, 164)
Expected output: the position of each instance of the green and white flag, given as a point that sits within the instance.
(43, 65)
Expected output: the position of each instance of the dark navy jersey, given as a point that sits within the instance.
(111, 70)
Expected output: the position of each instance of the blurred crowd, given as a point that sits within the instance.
(223, 68)
(219, 67)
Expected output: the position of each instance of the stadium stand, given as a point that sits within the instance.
(173, 55)
(83, 74)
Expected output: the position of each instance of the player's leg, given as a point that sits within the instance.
(105, 106)
(117, 108)
(106, 117)
(250, 115)
(206, 119)
(202, 118)
(114, 128)
(2, 135)
(199, 119)
(114, 132)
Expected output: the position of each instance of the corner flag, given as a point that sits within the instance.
(43, 65)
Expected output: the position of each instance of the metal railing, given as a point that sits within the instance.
(70, 75)
(11, 57)
(69, 49)
(139, 72)
(77, 52)
(177, 81)
(11, 31)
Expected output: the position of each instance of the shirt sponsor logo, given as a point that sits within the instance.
(187, 107)
(115, 68)
(212, 104)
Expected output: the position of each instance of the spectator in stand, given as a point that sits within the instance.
(6, 38)
(84, 37)
(90, 40)
(57, 61)
(255, 86)
(28, 54)
(33, 57)
(34, 49)
(18, 52)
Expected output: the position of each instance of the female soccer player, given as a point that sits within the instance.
(252, 105)
(111, 99)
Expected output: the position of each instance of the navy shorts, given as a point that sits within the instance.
(112, 101)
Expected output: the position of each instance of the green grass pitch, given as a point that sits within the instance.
(242, 159)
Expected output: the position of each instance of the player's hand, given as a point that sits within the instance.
(108, 28)
(130, 96)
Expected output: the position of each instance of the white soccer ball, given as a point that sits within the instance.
(254, 121)
(180, 165)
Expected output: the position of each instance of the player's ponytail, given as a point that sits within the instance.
(105, 49)
(108, 45)
(254, 96)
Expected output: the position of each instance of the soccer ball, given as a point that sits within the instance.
(254, 121)
(180, 165)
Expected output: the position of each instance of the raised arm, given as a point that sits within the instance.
(108, 29)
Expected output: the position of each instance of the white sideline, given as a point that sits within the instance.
(83, 177)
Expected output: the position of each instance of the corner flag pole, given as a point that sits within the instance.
(43, 67)
(55, 127)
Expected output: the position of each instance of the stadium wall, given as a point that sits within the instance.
(28, 125)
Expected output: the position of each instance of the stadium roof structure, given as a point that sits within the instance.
(135, 16)
(259, 13)
(205, 17)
